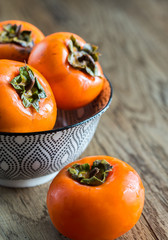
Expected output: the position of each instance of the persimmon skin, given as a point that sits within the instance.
(102, 212)
(14, 51)
(14, 117)
(72, 88)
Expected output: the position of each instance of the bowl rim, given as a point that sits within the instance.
(68, 126)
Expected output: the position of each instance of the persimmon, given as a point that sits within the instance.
(17, 38)
(71, 67)
(95, 198)
(27, 103)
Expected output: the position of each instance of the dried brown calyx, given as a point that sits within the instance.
(13, 34)
(83, 58)
(92, 176)
(28, 88)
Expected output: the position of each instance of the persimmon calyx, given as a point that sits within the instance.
(92, 176)
(28, 88)
(13, 34)
(83, 58)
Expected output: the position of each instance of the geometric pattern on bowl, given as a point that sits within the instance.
(37, 155)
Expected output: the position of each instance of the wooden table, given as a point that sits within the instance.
(133, 40)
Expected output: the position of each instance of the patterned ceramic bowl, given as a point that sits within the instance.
(30, 159)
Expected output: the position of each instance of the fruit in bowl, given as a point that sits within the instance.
(17, 39)
(33, 150)
(71, 67)
(27, 103)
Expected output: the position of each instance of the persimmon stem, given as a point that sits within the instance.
(18, 29)
(31, 76)
(92, 176)
(93, 172)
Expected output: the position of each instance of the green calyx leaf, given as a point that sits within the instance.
(83, 58)
(13, 34)
(28, 88)
(94, 176)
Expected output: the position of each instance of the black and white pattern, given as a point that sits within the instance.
(32, 155)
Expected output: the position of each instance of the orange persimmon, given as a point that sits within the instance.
(71, 67)
(27, 102)
(17, 38)
(101, 202)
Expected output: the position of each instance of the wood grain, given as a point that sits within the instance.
(132, 36)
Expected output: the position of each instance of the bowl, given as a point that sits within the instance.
(31, 159)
